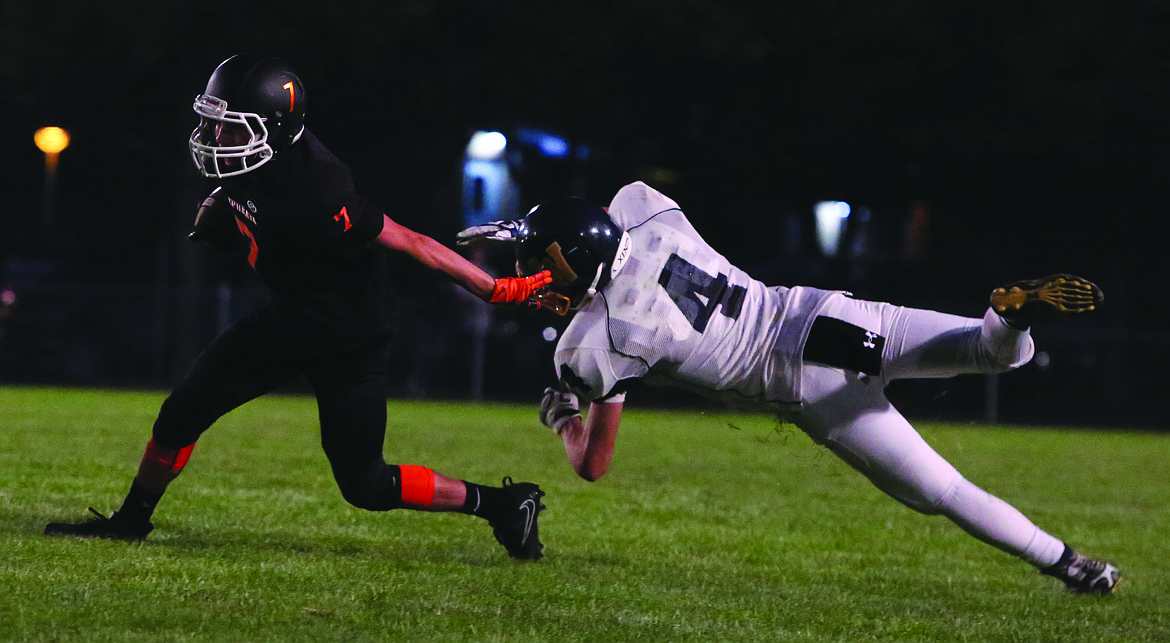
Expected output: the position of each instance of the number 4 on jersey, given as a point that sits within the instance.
(697, 293)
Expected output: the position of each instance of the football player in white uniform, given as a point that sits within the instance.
(653, 300)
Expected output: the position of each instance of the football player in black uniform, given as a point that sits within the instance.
(293, 207)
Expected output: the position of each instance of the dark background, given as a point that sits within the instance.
(987, 142)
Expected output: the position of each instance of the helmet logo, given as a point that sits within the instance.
(622, 254)
(292, 95)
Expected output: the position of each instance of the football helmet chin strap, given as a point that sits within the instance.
(619, 260)
(591, 291)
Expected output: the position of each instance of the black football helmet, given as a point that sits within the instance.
(578, 242)
(252, 109)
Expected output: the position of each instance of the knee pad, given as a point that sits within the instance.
(934, 499)
(383, 487)
(929, 491)
(923, 480)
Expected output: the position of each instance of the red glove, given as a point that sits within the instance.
(516, 290)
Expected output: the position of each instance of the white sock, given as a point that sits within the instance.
(1009, 347)
(1001, 525)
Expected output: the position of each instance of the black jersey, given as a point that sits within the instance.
(308, 232)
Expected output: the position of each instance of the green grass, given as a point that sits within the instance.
(707, 528)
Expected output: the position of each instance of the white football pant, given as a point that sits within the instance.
(848, 413)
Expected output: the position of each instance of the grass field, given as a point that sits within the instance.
(708, 528)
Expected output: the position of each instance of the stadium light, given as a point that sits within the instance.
(486, 146)
(831, 217)
(52, 141)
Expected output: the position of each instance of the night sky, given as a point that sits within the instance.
(1035, 115)
(1032, 133)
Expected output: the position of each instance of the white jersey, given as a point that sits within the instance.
(678, 313)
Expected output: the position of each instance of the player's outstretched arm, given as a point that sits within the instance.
(438, 257)
(589, 442)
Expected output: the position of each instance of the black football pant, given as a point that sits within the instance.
(259, 353)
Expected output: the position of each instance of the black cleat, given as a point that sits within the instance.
(1024, 301)
(516, 528)
(100, 527)
(1084, 575)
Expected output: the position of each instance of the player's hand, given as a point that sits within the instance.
(215, 222)
(516, 290)
(557, 408)
(488, 233)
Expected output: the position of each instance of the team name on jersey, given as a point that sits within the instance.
(248, 211)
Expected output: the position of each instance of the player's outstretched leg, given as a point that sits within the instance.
(1022, 302)
(516, 528)
(100, 526)
(1083, 575)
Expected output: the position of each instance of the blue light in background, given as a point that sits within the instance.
(550, 145)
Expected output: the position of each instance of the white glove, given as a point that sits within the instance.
(488, 233)
(557, 408)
